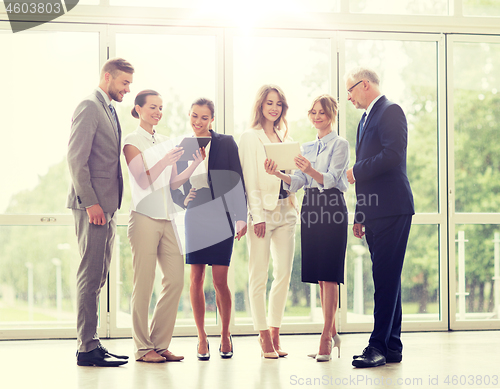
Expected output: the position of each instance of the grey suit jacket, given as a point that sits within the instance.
(94, 157)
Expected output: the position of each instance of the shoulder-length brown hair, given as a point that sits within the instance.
(329, 105)
(258, 116)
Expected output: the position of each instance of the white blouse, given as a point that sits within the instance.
(154, 201)
(199, 178)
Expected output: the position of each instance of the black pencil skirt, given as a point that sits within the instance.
(323, 235)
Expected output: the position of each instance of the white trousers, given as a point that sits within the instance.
(279, 242)
(154, 240)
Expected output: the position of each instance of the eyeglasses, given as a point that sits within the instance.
(352, 87)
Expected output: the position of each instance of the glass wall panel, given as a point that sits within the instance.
(481, 7)
(476, 117)
(301, 67)
(477, 253)
(166, 63)
(408, 73)
(181, 68)
(238, 9)
(400, 7)
(39, 104)
(420, 288)
(37, 281)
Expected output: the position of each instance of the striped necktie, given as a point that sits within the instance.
(113, 112)
(362, 125)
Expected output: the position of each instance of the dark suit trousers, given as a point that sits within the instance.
(96, 248)
(387, 238)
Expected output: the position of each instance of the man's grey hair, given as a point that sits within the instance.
(361, 73)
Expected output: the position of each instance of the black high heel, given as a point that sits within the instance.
(229, 354)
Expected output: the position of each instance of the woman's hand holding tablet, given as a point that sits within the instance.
(192, 144)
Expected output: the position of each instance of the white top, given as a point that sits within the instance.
(154, 201)
(199, 178)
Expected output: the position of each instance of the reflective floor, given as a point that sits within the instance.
(430, 360)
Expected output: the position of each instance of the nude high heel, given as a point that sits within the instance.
(270, 355)
(280, 352)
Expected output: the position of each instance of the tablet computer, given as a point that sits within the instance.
(283, 154)
(190, 144)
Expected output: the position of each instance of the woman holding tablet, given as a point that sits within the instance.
(216, 212)
(151, 159)
(271, 218)
(322, 173)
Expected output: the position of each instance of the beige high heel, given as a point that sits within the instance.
(280, 352)
(270, 355)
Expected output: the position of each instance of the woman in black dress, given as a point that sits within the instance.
(216, 212)
(322, 173)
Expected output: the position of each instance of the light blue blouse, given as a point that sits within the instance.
(328, 155)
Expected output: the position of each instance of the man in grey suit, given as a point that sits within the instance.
(95, 195)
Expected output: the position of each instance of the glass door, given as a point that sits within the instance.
(411, 69)
(182, 64)
(303, 65)
(48, 72)
(474, 181)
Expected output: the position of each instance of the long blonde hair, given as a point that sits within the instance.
(258, 116)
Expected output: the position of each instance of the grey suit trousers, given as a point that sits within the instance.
(96, 248)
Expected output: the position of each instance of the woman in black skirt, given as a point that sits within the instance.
(321, 172)
(216, 215)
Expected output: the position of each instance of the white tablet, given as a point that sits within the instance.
(283, 154)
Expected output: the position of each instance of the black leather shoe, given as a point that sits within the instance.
(107, 354)
(393, 356)
(371, 357)
(96, 358)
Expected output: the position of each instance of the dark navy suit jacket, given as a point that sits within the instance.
(225, 176)
(382, 186)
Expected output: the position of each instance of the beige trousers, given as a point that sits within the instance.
(279, 242)
(153, 241)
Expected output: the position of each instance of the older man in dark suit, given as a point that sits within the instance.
(384, 208)
(95, 195)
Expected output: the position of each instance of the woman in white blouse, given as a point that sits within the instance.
(322, 173)
(151, 160)
(271, 218)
